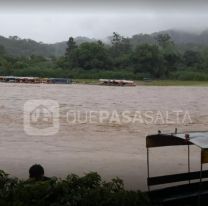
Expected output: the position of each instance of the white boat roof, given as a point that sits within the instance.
(199, 139)
(116, 80)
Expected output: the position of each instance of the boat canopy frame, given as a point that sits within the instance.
(199, 139)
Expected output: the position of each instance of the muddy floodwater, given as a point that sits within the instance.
(110, 147)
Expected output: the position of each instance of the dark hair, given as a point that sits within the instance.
(36, 171)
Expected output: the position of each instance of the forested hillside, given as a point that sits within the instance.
(16, 46)
(157, 56)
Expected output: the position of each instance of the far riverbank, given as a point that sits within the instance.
(150, 83)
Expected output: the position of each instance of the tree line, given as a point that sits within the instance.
(91, 60)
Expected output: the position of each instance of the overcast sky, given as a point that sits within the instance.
(49, 21)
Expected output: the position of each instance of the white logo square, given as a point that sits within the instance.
(41, 117)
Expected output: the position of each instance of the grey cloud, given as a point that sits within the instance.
(49, 21)
(99, 5)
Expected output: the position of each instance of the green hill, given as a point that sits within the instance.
(16, 46)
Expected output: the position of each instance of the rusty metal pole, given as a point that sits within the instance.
(187, 137)
(200, 183)
(189, 169)
(148, 169)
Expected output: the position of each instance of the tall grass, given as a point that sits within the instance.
(190, 76)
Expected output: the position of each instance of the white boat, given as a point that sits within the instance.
(116, 82)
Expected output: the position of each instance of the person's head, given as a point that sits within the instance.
(36, 171)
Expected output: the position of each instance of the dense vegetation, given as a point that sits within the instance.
(157, 57)
(72, 191)
(15, 46)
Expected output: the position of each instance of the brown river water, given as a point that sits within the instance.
(111, 148)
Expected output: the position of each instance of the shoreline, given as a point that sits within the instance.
(96, 82)
(150, 83)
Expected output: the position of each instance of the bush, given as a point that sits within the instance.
(72, 191)
(107, 74)
(189, 75)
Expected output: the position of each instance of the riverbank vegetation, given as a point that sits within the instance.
(160, 59)
(72, 191)
(151, 82)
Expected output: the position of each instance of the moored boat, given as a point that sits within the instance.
(35, 80)
(112, 82)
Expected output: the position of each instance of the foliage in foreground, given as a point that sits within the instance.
(72, 191)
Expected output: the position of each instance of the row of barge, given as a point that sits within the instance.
(113, 82)
(38, 80)
(35, 80)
